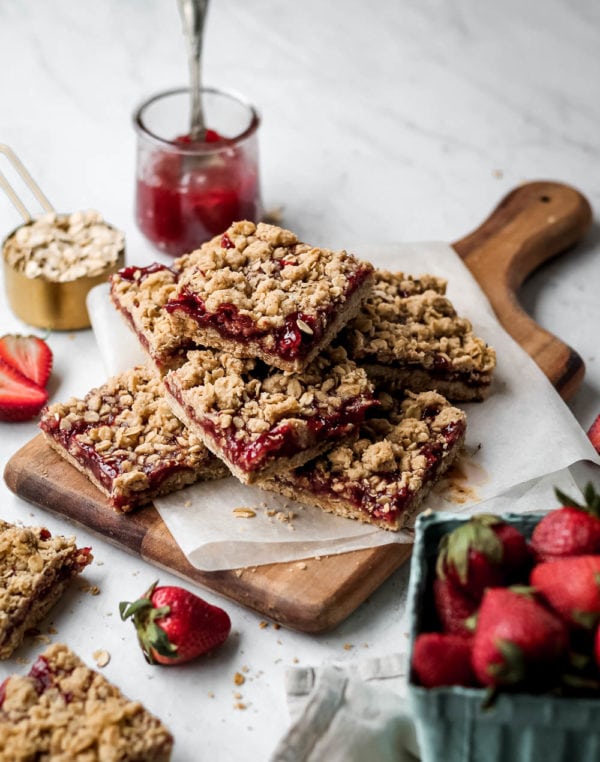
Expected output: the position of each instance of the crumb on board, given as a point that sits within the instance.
(239, 679)
(101, 657)
(244, 513)
(91, 589)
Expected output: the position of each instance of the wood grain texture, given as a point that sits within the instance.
(311, 599)
(533, 223)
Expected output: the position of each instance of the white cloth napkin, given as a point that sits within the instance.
(353, 712)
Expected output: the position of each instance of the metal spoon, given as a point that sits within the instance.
(193, 15)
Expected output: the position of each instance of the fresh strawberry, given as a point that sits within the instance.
(20, 398)
(482, 552)
(594, 434)
(517, 641)
(453, 606)
(174, 625)
(442, 659)
(571, 530)
(572, 587)
(28, 354)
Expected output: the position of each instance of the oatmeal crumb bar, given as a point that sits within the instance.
(258, 419)
(383, 474)
(125, 439)
(408, 336)
(256, 291)
(35, 570)
(140, 295)
(62, 710)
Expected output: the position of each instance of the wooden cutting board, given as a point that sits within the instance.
(533, 223)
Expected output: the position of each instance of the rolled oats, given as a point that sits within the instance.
(64, 247)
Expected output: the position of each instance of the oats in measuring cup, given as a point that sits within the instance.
(64, 247)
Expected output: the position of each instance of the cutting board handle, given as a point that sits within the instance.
(533, 223)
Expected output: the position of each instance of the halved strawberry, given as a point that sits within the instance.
(20, 398)
(30, 355)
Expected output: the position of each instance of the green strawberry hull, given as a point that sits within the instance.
(453, 724)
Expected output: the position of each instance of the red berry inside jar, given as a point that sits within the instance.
(188, 190)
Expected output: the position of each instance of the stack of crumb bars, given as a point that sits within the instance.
(298, 369)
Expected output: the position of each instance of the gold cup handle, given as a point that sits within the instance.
(29, 182)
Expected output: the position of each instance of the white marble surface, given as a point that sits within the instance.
(390, 121)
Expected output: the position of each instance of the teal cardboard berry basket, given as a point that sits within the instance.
(452, 723)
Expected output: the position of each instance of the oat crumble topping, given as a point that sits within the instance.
(35, 568)
(410, 321)
(267, 273)
(64, 710)
(390, 463)
(258, 291)
(140, 295)
(125, 438)
(237, 402)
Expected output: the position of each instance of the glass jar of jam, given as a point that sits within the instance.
(188, 191)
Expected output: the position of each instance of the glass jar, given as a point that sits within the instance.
(188, 191)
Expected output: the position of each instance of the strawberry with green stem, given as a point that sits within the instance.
(571, 530)
(483, 552)
(174, 626)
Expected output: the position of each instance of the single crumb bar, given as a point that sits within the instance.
(64, 711)
(125, 439)
(258, 419)
(256, 291)
(35, 570)
(383, 474)
(140, 295)
(408, 336)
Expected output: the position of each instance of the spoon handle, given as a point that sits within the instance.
(193, 15)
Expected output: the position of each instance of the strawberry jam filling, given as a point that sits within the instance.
(183, 200)
(361, 495)
(106, 467)
(139, 274)
(295, 339)
(285, 440)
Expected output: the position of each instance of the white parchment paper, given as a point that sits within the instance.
(522, 433)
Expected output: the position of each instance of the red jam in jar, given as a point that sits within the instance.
(189, 191)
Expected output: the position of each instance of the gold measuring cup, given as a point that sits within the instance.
(41, 301)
